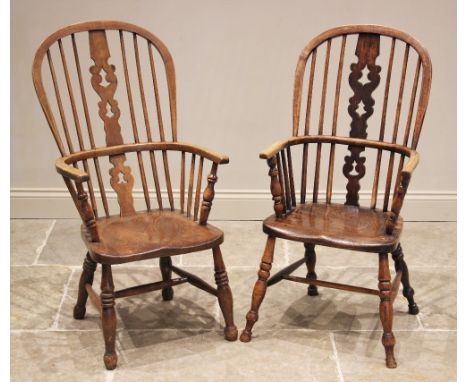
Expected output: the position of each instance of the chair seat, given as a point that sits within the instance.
(150, 234)
(336, 225)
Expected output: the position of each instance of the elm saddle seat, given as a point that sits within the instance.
(336, 225)
(150, 234)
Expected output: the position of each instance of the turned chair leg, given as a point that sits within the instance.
(408, 291)
(386, 310)
(224, 295)
(108, 317)
(311, 259)
(165, 263)
(259, 289)
(87, 277)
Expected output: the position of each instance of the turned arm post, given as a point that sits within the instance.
(397, 202)
(208, 195)
(84, 208)
(275, 187)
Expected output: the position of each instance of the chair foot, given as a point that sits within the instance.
(167, 294)
(87, 277)
(259, 290)
(312, 290)
(110, 361)
(230, 333)
(311, 259)
(224, 295)
(386, 310)
(165, 264)
(408, 291)
(108, 317)
(388, 341)
(79, 312)
(413, 309)
(245, 336)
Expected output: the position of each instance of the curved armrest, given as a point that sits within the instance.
(276, 147)
(404, 178)
(134, 147)
(70, 172)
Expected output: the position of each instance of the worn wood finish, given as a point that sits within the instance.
(328, 284)
(163, 229)
(374, 228)
(260, 288)
(109, 322)
(224, 295)
(310, 258)
(87, 277)
(408, 291)
(335, 225)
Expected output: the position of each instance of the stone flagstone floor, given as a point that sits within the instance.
(332, 337)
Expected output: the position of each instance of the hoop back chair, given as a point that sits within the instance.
(120, 129)
(314, 218)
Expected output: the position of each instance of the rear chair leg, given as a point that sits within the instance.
(108, 317)
(311, 259)
(408, 291)
(165, 263)
(224, 295)
(87, 277)
(259, 289)
(386, 310)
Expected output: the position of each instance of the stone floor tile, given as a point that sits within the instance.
(26, 237)
(200, 356)
(421, 356)
(57, 356)
(36, 293)
(436, 296)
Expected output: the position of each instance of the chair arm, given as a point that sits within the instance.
(208, 195)
(137, 147)
(403, 181)
(70, 172)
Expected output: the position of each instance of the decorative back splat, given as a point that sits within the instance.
(361, 107)
(104, 82)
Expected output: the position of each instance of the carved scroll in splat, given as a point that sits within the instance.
(361, 107)
(104, 82)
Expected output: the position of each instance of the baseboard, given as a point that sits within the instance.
(228, 204)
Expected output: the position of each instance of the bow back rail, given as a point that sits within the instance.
(383, 77)
(108, 91)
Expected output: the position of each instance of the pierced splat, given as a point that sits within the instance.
(104, 82)
(364, 79)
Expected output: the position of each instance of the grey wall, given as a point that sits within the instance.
(235, 62)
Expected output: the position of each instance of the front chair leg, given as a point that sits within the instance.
(259, 289)
(311, 259)
(408, 291)
(165, 264)
(87, 277)
(386, 310)
(108, 317)
(224, 295)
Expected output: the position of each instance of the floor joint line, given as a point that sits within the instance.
(44, 242)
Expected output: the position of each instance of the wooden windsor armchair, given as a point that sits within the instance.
(349, 225)
(162, 228)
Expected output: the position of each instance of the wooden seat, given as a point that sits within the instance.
(147, 235)
(336, 225)
(75, 74)
(315, 215)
